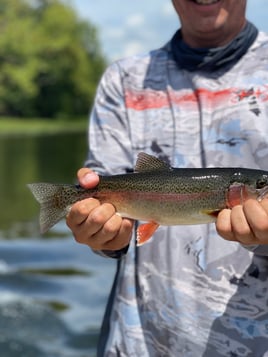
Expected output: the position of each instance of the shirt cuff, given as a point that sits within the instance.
(259, 249)
(115, 254)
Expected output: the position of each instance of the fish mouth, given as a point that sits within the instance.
(205, 2)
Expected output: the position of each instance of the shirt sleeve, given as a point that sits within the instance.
(110, 149)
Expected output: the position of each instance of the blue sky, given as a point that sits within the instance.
(129, 27)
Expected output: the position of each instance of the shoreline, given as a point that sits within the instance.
(40, 126)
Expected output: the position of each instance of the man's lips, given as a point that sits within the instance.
(205, 2)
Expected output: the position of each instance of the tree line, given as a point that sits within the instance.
(50, 60)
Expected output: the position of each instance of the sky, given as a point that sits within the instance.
(129, 27)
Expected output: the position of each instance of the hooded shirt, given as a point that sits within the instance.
(187, 292)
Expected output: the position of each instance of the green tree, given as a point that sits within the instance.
(50, 60)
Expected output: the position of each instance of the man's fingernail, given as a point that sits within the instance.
(89, 178)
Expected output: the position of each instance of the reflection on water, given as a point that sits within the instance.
(54, 158)
(52, 290)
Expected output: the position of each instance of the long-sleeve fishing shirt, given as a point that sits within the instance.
(187, 292)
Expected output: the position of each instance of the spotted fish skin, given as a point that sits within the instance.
(158, 194)
(55, 201)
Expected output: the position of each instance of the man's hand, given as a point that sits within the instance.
(97, 225)
(247, 224)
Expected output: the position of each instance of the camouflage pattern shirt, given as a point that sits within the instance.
(187, 292)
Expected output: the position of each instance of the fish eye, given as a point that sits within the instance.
(261, 182)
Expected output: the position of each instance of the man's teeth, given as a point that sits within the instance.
(206, 2)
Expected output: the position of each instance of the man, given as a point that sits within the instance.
(199, 101)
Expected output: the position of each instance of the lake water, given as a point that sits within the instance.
(53, 291)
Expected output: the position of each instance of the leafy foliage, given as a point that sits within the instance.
(50, 60)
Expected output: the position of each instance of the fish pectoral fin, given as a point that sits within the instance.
(145, 231)
(212, 213)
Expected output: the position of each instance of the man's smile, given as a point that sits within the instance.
(205, 2)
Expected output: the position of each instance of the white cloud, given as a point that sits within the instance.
(135, 20)
(137, 26)
(132, 48)
(114, 33)
(168, 9)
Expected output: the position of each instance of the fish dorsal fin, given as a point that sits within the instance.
(146, 163)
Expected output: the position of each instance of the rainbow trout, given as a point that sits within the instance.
(157, 194)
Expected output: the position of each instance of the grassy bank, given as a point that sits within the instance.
(13, 126)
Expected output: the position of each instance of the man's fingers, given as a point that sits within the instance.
(87, 178)
(240, 226)
(223, 225)
(233, 226)
(247, 224)
(114, 235)
(98, 226)
(257, 217)
(80, 211)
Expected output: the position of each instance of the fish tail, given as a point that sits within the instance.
(52, 209)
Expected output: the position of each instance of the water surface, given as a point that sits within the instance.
(52, 290)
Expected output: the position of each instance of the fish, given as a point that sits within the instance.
(156, 193)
